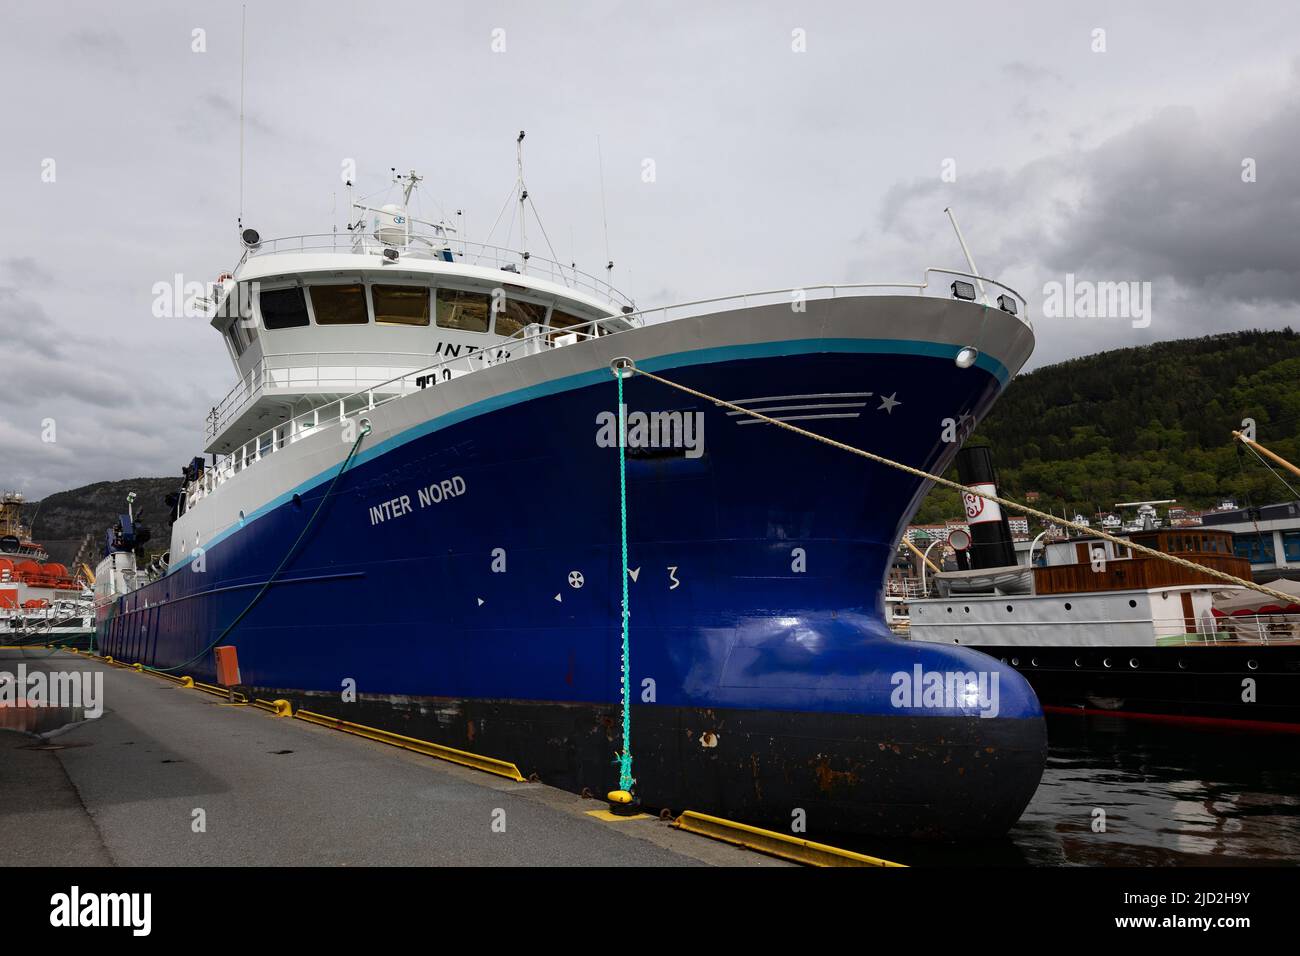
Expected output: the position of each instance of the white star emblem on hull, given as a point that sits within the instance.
(888, 404)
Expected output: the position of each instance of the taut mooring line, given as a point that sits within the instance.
(957, 486)
(364, 430)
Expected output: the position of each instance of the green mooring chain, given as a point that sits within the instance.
(625, 779)
(364, 430)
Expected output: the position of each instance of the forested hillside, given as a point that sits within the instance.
(1145, 423)
(63, 519)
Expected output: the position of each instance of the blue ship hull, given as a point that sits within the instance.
(480, 606)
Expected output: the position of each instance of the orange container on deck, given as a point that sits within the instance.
(227, 666)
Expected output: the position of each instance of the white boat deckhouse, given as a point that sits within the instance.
(314, 319)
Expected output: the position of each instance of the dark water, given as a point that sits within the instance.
(1171, 796)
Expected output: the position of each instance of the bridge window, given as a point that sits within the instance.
(1254, 548)
(339, 304)
(282, 308)
(467, 311)
(515, 315)
(1291, 546)
(400, 304)
(564, 320)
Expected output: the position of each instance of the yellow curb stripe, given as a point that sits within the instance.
(773, 843)
(501, 768)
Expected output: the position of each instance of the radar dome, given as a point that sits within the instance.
(391, 225)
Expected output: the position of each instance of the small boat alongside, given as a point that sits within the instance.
(41, 601)
(1103, 628)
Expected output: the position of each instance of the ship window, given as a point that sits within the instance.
(400, 304)
(467, 311)
(1255, 548)
(1291, 545)
(339, 304)
(283, 308)
(515, 315)
(236, 342)
(563, 320)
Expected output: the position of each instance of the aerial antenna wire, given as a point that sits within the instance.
(604, 215)
(491, 232)
(542, 226)
(243, 18)
(1270, 468)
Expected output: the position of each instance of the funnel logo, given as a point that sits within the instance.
(980, 510)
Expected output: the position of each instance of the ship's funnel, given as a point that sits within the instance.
(990, 532)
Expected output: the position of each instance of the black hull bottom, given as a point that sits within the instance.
(1255, 686)
(841, 774)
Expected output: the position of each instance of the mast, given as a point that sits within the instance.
(523, 196)
(243, 19)
(1256, 446)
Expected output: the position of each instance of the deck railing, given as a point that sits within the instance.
(432, 246)
(256, 379)
(1239, 629)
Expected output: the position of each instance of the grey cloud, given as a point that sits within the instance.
(25, 329)
(24, 270)
(103, 45)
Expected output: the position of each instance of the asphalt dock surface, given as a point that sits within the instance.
(131, 786)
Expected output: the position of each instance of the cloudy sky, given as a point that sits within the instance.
(791, 143)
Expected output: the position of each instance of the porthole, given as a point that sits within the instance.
(1106, 662)
(1133, 662)
(1182, 665)
(1132, 603)
(1015, 662)
(1068, 605)
(1033, 662)
(1077, 662)
(966, 609)
(1008, 608)
(949, 610)
(1253, 665)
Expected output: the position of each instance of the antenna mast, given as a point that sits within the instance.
(243, 17)
(604, 216)
(970, 261)
(523, 195)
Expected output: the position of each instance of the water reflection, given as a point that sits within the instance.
(1170, 795)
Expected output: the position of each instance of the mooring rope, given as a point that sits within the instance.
(364, 430)
(625, 779)
(964, 489)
